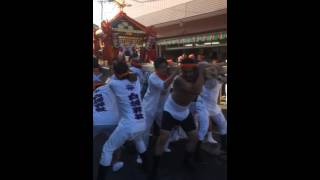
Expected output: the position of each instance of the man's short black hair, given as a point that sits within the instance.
(120, 66)
(96, 66)
(189, 61)
(214, 55)
(159, 61)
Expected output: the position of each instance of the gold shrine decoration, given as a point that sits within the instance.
(121, 4)
(130, 40)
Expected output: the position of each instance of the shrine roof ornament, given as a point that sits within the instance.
(123, 23)
(121, 4)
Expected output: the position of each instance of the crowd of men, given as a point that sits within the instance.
(134, 105)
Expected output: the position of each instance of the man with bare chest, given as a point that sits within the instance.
(186, 88)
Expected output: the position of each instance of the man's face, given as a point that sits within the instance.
(215, 61)
(162, 69)
(191, 56)
(200, 57)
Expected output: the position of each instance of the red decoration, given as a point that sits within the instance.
(110, 49)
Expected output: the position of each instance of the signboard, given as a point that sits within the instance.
(125, 40)
(215, 36)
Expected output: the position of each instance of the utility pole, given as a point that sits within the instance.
(102, 2)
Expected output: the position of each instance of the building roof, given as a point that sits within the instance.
(184, 11)
(122, 15)
(142, 7)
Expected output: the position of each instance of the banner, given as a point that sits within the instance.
(214, 36)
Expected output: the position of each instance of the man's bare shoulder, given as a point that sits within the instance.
(178, 79)
(180, 83)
